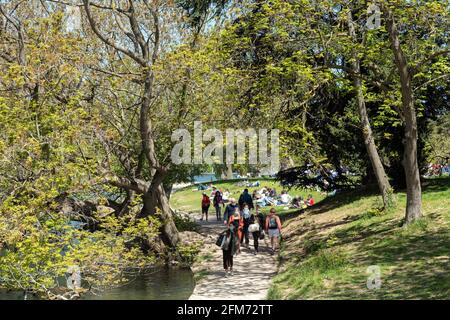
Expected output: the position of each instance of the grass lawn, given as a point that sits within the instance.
(327, 251)
(189, 199)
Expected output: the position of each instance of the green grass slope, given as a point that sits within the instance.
(327, 251)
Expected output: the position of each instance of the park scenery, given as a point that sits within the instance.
(224, 150)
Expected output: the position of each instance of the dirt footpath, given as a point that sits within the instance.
(252, 273)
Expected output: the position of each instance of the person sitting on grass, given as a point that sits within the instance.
(285, 198)
(310, 201)
(226, 196)
(296, 203)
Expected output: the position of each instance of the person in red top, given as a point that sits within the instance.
(310, 200)
(206, 202)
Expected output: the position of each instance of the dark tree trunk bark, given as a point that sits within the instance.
(155, 197)
(377, 165)
(410, 159)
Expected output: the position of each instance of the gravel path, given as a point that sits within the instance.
(252, 273)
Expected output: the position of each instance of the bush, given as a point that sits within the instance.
(184, 223)
(188, 252)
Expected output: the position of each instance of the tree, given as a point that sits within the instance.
(377, 166)
(145, 54)
(406, 72)
(48, 165)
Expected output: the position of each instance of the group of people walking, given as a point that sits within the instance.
(242, 219)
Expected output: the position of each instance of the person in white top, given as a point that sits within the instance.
(226, 195)
(285, 198)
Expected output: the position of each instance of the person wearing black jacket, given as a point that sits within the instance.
(258, 218)
(246, 198)
(229, 210)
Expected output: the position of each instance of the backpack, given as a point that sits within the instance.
(273, 223)
(246, 215)
(220, 239)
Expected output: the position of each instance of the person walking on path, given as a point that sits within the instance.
(217, 202)
(273, 228)
(246, 218)
(229, 249)
(205, 205)
(246, 198)
(238, 223)
(256, 219)
(229, 210)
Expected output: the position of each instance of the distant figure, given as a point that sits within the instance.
(238, 223)
(229, 210)
(229, 246)
(256, 219)
(285, 198)
(226, 196)
(245, 198)
(273, 228)
(245, 213)
(296, 203)
(202, 187)
(206, 202)
(217, 201)
(273, 193)
(310, 200)
(213, 193)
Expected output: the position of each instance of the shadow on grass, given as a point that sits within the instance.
(344, 198)
(436, 184)
(413, 266)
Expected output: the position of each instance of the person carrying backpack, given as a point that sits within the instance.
(273, 228)
(205, 206)
(229, 249)
(246, 215)
(256, 227)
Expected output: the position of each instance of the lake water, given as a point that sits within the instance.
(208, 177)
(204, 178)
(163, 284)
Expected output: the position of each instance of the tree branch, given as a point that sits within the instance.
(93, 25)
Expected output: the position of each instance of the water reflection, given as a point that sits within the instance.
(163, 284)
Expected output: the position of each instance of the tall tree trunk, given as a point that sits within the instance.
(229, 171)
(410, 159)
(377, 165)
(155, 197)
